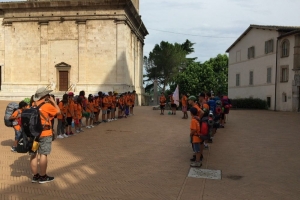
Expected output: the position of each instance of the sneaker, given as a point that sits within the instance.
(92, 126)
(193, 159)
(71, 133)
(60, 137)
(206, 146)
(115, 119)
(81, 130)
(13, 149)
(196, 164)
(35, 178)
(77, 131)
(88, 127)
(65, 135)
(45, 179)
(109, 120)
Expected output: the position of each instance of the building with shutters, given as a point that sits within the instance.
(91, 45)
(264, 62)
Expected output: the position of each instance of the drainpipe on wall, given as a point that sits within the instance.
(275, 104)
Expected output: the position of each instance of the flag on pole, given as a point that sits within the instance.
(176, 96)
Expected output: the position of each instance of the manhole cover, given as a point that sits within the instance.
(205, 173)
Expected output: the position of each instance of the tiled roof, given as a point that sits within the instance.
(285, 29)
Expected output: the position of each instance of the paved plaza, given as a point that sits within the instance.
(147, 157)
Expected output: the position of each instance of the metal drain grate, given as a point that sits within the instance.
(205, 173)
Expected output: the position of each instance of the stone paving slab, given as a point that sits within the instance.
(147, 157)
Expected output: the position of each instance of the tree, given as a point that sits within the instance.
(195, 79)
(209, 76)
(165, 61)
(219, 65)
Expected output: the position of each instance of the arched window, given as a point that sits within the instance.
(285, 48)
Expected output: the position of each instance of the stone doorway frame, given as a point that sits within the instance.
(62, 67)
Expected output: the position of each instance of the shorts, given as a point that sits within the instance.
(45, 145)
(196, 147)
(104, 112)
(173, 105)
(226, 111)
(121, 108)
(162, 107)
(92, 115)
(17, 134)
(184, 108)
(223, 116)
(69, 121)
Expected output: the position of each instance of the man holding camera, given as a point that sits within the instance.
(48, 110)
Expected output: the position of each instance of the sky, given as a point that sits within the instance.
(214, 24)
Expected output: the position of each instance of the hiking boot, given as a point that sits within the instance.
(196, 164)
(45, 179)
(35, 178)
(13, 149)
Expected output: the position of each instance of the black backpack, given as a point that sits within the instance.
(31, 121)
(24, 143)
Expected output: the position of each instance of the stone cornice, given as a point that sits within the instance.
(133, 17)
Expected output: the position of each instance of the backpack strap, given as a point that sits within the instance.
(41, 114)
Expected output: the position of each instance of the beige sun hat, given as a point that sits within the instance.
(41, 92)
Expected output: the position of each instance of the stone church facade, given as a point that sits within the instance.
(92, 45)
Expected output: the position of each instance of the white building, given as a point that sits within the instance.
(264, 62)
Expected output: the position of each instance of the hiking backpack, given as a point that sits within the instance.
(24, 143)
(10, 109)
(206, 126)
(31, 121)
(225, 102)
(218, 109)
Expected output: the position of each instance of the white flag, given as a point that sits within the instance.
(176, 96)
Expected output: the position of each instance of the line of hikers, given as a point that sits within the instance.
(33, 121)
(208, 113)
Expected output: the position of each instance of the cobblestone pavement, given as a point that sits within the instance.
(147, 157)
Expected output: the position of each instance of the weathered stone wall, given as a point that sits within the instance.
(101, 46)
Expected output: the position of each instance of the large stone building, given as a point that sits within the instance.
(264, 62)
(91, 45)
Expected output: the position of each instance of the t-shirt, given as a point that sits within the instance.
(128, 100)
(198, 109)
(105, 103)
(114, 102)
(90, 107)
(133, 99)
(121, 101)
(195, 126)
(172, 99)
(63, 110)
(48, 111)
(184, 101)
(162, 100)
(96, 105)
(110, 101)
(70, 108)
(79, 111)
(15, 115)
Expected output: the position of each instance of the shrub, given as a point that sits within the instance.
(249, 103)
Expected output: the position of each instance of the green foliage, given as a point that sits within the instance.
(195, 79)
(249, 103)
(165, 61)
(219, 65)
